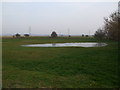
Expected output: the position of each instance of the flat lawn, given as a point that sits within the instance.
(60, 67)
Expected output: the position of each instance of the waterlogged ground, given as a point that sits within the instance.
(66, 67)
(85, 44)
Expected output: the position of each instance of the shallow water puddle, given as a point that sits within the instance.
(67, 45)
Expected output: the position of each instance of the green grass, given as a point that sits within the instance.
(61, 67)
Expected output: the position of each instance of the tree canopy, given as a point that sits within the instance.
(111, 28)
(26, 35)
(99, 34)
(54, 34)
(17, 35)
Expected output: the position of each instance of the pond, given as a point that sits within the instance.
(85, 44)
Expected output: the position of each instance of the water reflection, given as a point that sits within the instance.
(67, 45)
(53, 44)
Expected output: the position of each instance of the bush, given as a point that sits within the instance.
(17, 35)
(82, 35)
(26, 35)
(86, 35)
(54, 34)
(100, 34)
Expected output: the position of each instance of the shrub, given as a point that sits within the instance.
(17, 35)
(54, 34)
(99, 34)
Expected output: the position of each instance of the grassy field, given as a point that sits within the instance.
(61, 67)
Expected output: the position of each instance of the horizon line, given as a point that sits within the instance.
(59, 0)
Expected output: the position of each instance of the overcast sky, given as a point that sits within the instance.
(45, 17)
